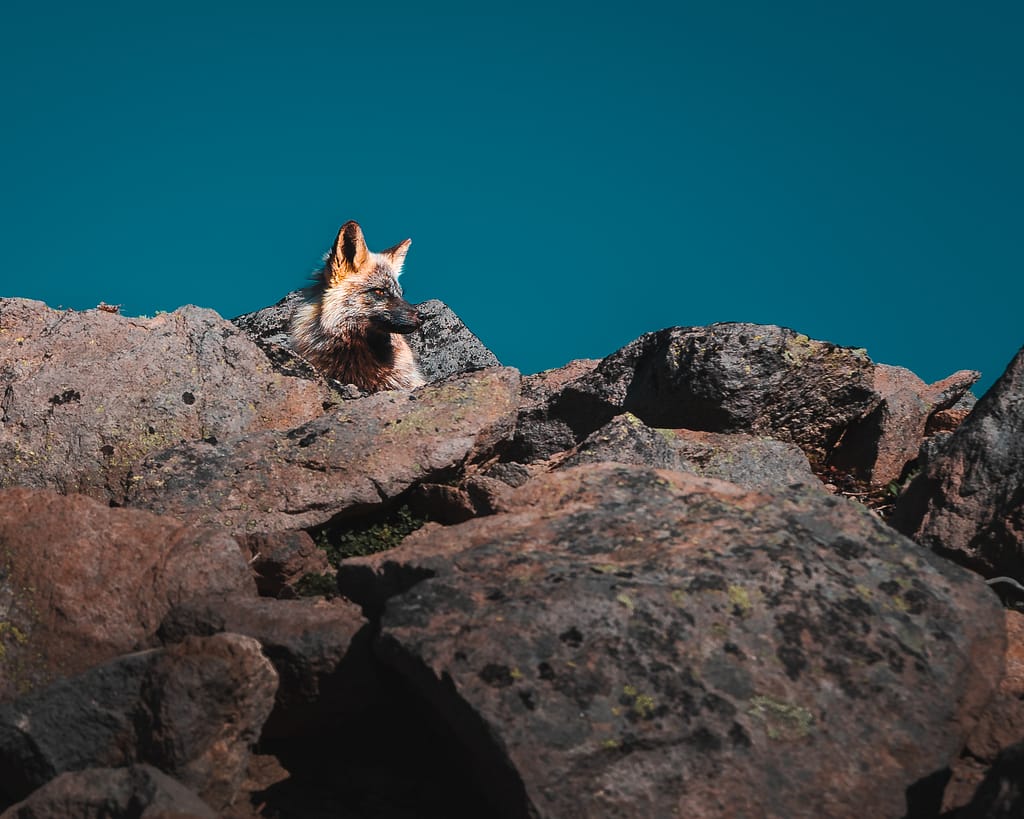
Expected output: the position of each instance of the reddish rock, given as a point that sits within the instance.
(134, 792)
(191, 710)
(347, 462)
(281, 559)
(318, 648)
(544, 428)
(637, 642)
(878, 446)
(81, 582)
(968, 501)
(87, 394)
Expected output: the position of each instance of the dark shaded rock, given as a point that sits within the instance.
(81, 583)
(878, 446)
(1001, 793)
(1001, 725)
(968, 501)
(759, 379)
(637, 642)
(755, 463)
(191, 710)
(134, 792)
(351, 461)
(281, 559)
(87, 394)
(315, 645)
(443, 345)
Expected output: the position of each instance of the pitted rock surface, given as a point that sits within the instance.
(630, 641)
(351, 460)
(86, 394)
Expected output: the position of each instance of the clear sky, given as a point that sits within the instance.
(571, 174)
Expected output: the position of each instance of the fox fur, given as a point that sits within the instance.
(352, 324)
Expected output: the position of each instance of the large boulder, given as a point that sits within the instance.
(350, 461)
(757, 379)
(627, 641)
(84, 395)
(443, 345)
(193, 710)
(81, 583)
(968, 501)
(134, 792)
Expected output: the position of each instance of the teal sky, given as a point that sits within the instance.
(571, 174)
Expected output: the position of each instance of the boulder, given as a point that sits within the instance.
(318, 648)
(192, 710)
(351, 461)
(443, 345)
(280, 560)
(81, 583)
(628, 641)
(878, 446)
(134, 792)
(86, 394)
(758, 379)
(968, 500)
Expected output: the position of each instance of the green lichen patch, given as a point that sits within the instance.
(782, 720)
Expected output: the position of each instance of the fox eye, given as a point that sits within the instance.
(379, 292)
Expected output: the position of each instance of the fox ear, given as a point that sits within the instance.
(349, 252)
(396, 254)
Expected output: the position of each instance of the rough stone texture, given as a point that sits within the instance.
(191, 710)
(135, 792)
(968, 501)
(1000, 726)
(443, 345)
(878, 446)
(1001, 793)
(81, 583)
(752, 462)
(312, 643)
(638, 642)
(281, 559)
(759, 379)
(349, 461)
(86, 394)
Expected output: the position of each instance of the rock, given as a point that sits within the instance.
(968, 501)
(191, 710)
(351, 461)
(86, 394)
(134, 792)
(878, 446)
(318, 648)
(281, 559)
(758, 379)
(755, 463)
(443, 345)
(81, 583)
(637, 642)
(1001, 794)
(1000, 726)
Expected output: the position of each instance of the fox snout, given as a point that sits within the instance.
(401, 317)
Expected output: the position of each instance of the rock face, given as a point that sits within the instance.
(192, 710)
(112, 793)
(81, 583)
(750, 378)
(443, 345)
(86, 394)
(637, 642)
(352, 460)
(969, 499)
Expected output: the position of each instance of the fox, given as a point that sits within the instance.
(352, 325)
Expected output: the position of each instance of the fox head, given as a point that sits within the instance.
(361, 293)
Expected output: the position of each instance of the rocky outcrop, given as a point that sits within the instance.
(81, 583)
(192, 710)
(134, 792)
(968, 501)
(84, 395)
(350, 461)
(443, 345)
(627, 641)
